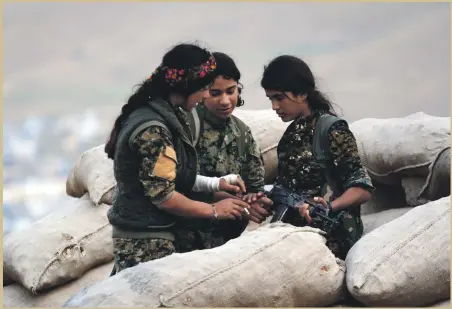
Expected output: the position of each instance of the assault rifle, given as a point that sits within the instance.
(285, 200)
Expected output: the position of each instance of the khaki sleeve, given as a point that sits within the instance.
(158, 161)
(165, 166)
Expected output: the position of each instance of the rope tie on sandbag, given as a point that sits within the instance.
(57, 256)
(104, 191)
(403, 244)
(163, 303)
(365, 163)
(430, 174)
(238, 262)
(269, 147)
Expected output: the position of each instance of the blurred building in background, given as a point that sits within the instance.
(38, 154)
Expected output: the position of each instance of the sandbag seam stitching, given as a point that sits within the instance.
(238, 262)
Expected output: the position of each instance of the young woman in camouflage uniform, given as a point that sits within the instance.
(220, 135)
(155, 161)
(289, 84)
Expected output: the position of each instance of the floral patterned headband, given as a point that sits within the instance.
(175, 76)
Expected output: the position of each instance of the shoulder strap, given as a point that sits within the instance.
(146, 125)
(195, 125)
(321, 149)
(241, 144)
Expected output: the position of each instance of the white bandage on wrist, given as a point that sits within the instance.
(206, 184)
(212, 184)
(231, 179)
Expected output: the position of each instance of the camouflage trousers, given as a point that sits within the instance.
(130, 252)
(341, 239)
(214, 234)
(189, 239)
(349, 232)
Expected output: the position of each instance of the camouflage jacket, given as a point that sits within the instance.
(218, 153)
(297, 168)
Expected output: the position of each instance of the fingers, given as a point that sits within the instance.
(254, 219)
(321, 201)
(256, 212)
(241, 185)
(232, 183)
(240, 203)
(225, 186)
(260, 210)
(260, 196)
(234, 188)
(252, 216)
(257, 216)
(265, 201)
(249, 198)
(236, 213)
(308, 217)
(239, 208)
(304, 212)
(230, 216)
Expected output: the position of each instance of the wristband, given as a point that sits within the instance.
(215, 214)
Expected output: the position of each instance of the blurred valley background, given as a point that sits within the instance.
(69, 67)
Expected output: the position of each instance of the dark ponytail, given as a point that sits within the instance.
(318, 101)
(135, 101)
(291, 74)
(183, 57)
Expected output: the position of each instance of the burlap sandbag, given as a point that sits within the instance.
(398, 147)
(274, 266)
(438, 181)
(60, 247)
(384, 197)
(92, 173)
(413, 187)
(253, 225)
(405, 262)
(374, 220)
(16, 296)
(420, 190)
(370, 221)
(267, 129)
(444, 304)
(420, 115)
